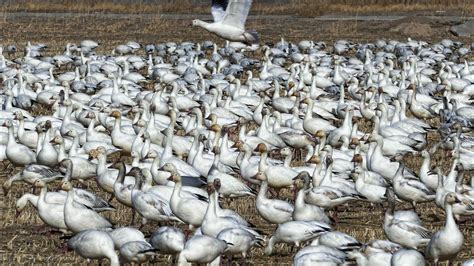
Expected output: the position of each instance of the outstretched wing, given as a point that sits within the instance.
(236, 13)
(218, 9)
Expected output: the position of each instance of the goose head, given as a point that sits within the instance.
(67, 102)
(298, 183)
(216, 150)
(425, 154)
(8, 123)
(135, 172)
(217, 184)
(285, 151)
(101, 149)
(314, 160)
(39, 183)
(199, 23)
(239, 145)
(20, 205)
(66, 185)
(71, 133)
(329, 160)
(115, 114)
(260, 176)
(140, 123)
(354, 142)
(396, 158)
(64, 164)
(93, 154)
(357, 159)
(210, 188)
(320, 134)
(303, 178)
(451, 198)
(355, 173)
(18, 115)
(169, 167)
(151, 155)
(261, 148)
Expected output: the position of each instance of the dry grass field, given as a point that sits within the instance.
(23, 239)
(307, 8)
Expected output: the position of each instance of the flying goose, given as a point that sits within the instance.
(229, 21)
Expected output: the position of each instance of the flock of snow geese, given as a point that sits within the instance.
(184, 113)
(203, 123)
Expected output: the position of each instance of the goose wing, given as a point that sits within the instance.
(43, 171)
(283, 206)
(218, 9)
(236, 13)
(414, 228)
(420, 186)
(157, 203)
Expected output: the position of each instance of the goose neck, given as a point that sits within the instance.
(101, 166)
(299, 202)
(450, 222)
(316, 178)
(262, 165)
(121, 175)
(70, 197)
(263, 190)
(309, 112)
(43, 192)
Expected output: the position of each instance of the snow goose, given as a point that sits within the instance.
(123, 235)
(319, 255)
(148, 204)
(229, 21)
(136, 251)
(310, 124)
(202, 249)
(448, 241)
(430, 180)
(274, 211)
(30, 174)
(277, 176)
(371, 259)
(324, 196)
(226, 212)
(295, 232)
(168, 240)
(404, 232)
(106, 177)
(51, 214)
(409, 257)
(365, 185)
(17, 154)
(122, 192)
(79, 219)
(121, 139)
(410, 189)
(77, 168)
(338, 241)
(189, 210)
(231, 186)
(94, 244)
(213, 223)
(304, 211)
(239, 241)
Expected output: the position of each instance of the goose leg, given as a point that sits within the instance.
(112, 196)
(134, 213)
(144, 221)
